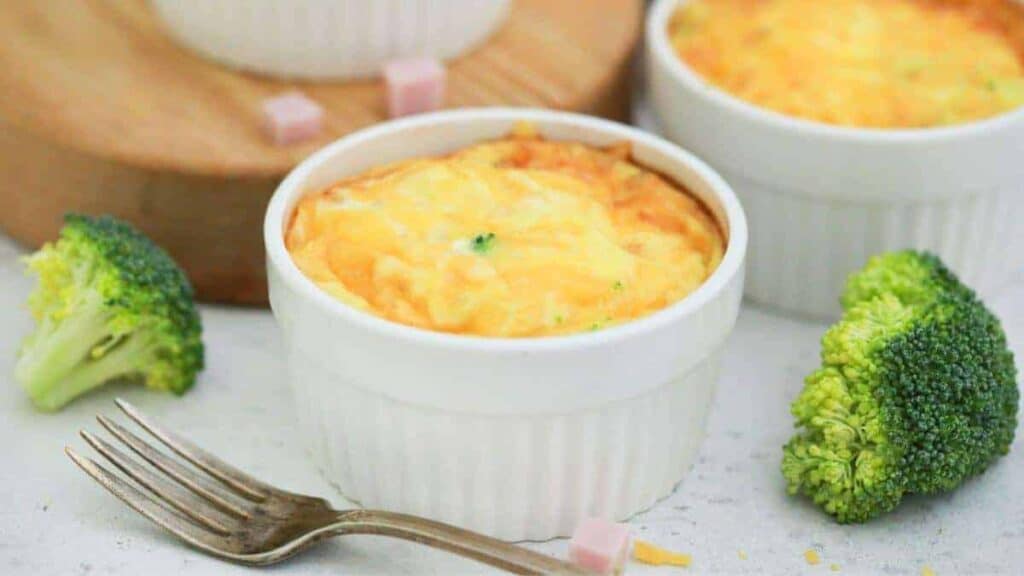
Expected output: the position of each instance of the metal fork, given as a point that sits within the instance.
(228, 513)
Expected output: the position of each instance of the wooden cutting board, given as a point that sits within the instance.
(101, 112)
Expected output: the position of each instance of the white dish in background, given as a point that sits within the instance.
(518, 438)
(821, 199)
(328, 39)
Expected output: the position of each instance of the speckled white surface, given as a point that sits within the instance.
(54, 520)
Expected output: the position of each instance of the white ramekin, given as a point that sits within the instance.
(328, 39)
(821, 199)
(519, 438)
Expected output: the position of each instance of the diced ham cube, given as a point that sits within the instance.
(291, 118)
(599, 545)
(414, 86)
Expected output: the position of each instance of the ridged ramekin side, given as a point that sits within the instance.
(328, 38)
(802, 247)
(517, 477)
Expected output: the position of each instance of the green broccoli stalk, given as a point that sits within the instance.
(917, 392)
(109, 305)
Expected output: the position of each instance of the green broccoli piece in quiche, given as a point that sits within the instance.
(483, 243)
(917, 392)
(109, 305)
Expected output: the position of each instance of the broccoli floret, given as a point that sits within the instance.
(109, 305)
(916, 393)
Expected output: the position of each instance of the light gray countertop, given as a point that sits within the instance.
(54, 520)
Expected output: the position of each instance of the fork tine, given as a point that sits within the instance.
(180, 527)
(243, 483)
(197, 509)
(194, 481)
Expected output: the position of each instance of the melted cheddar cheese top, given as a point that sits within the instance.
(512, 238)
(867, 63)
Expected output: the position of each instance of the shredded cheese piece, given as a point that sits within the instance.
(812, 557)
(741, 554)
(648, 553)
(834, 567)
(926, 571)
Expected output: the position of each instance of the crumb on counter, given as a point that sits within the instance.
(812, 557)
(926, 571)
(742, 555)
(648, 553)
(291, 118)
(834, 567)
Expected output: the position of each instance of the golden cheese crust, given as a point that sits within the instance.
(518, 237)
(866, 63)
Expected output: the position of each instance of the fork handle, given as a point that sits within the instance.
(463, 542)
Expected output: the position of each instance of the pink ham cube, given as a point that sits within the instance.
(291, 118)
(599, 545)
(414, 86)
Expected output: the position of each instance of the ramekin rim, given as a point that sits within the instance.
(658, 42)
(731, 265)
